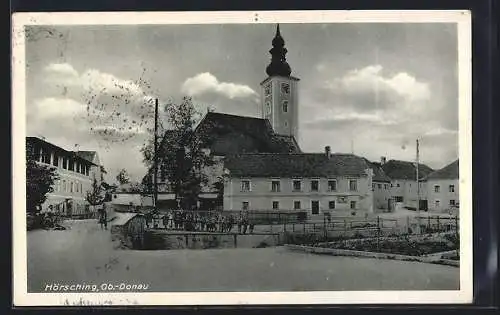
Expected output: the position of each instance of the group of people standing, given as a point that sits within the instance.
(205, 222)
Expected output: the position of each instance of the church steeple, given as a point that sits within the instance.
(278, 65)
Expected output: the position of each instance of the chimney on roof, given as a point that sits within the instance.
(328, 152)
(383, 159)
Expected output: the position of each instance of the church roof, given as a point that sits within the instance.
(295, 165)
(278, 65)
(450, 171)
(396, 169)
(257, 132)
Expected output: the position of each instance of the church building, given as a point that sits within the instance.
(263, 165)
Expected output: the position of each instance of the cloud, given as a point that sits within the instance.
(63, 69)
(207, 83)
(369, 88)
(58, 108)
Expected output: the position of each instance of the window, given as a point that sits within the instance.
(285, 124)
(331, 204)
(71, 187)
(56, 160)
(398, 198)
(77, 186)
(353, 185)
(314, 185)
(452, 202)
(81, 189)
(245, 185)
(276, 205)
(386, 186)
(437, 203)
(373, 187)
(245, 205)
(71, 165)
(46, 157)
(64, 186)
(332, 185)
(275, 186)
(436, 188)
(285, 88)
(268, 108)
(285, 106)
(397, 185)
(353, 204)
(379, 186)
(296, 205)
(297, 185)
(315, 207)
(452, 188)
(87, 170)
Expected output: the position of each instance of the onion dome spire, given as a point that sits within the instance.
(278, 65)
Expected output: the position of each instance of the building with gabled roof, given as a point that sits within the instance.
(443, 188)
(404, 191)
(317, 183)
(76, 171)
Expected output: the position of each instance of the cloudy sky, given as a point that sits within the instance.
(368, 88)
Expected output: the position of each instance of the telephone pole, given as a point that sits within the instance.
(155, 162)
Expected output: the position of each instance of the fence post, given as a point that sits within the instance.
(378, 233)
(408, 224)
(456, 226)
(304, 224)
(438, 225)
(429, 223)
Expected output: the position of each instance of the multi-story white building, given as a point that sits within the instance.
(317, 183)
(443, 189)
(76, 171)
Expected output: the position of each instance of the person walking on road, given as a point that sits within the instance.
(103, 217)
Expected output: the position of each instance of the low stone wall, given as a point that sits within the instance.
(354, 253)
(161, 241)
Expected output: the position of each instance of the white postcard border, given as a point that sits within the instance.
(23, 298)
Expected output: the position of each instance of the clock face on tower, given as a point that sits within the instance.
(285, 88)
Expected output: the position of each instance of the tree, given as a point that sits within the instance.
(95, 195)
(181, 158)
(39, 181)
(123, 177)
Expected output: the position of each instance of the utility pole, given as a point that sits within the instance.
(155, 163)
(418, 189)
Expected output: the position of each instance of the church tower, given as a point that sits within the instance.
(279, 93)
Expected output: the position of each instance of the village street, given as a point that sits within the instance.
(84, 254)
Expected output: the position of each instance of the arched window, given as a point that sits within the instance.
(285, 106)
